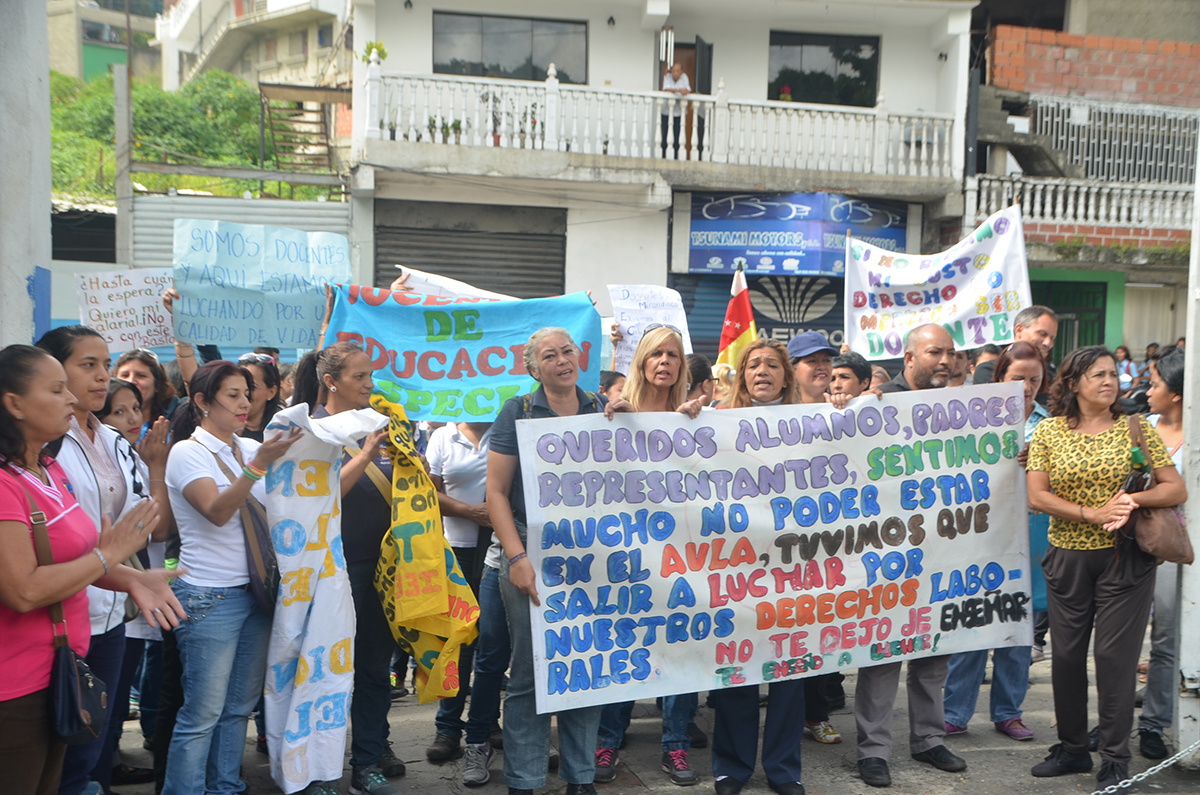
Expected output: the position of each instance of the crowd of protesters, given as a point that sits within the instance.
(150, 487)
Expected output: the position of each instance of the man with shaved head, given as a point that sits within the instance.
(928, 364)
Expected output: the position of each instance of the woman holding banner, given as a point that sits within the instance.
(764, 378)
(658, 381)
(331, 381)
(1021, 362)
(552, 358)
(223, 642)
(1079, 460)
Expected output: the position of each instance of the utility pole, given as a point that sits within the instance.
(124, 133)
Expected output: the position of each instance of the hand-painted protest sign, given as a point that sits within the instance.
(310, 665)
(432, 284)
(454, 359)
(636, 306)
(250, 285)
(126, 307)
(747, 546)
(974, 289)
(428, 603)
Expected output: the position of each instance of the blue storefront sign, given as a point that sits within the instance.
(787, 234)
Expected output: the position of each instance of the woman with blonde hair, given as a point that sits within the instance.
(722, 381)
(657, 381)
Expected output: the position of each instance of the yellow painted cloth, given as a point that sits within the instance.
(430, 606)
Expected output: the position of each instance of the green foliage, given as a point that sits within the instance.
(374, 45)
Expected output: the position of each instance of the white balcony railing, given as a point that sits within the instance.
(485, 112)
(1081, 201)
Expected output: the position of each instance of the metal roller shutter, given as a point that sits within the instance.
(523, 265)
(154, 219)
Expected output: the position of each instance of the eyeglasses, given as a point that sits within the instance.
(667, 326)
(148, 352)
(262, 358)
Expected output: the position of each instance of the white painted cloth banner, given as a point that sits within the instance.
(753, 545)
(310, 665)
(425, 283)
(125, 306)
(636, 306)
(974, 289)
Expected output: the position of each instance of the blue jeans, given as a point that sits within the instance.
(1010, 681)
(223, 649)
(105, 654)
(150, 685)
(373, 648)
(492, 651)
(1162, 678)
(526, 733)
(676, 713)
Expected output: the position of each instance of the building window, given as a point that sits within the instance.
(512, 47)
(325, 36)
(271, 50)
(828, 70)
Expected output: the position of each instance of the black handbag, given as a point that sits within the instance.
(78, 699)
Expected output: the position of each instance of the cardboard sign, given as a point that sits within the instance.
(747, 546)
(636, 306)
(250, 285)
(974, 289)
(458, 359)
(126, 307)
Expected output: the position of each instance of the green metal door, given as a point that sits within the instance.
(1080, 307)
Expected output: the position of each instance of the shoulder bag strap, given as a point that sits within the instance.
(45, 557)
(251, 504)
(374, 473)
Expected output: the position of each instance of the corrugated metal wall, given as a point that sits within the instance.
(154, 219)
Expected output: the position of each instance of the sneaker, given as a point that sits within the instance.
(675, 763)
(1014, 728)
(1094, 739)
(476, 759)
(1152, 744)
(443, 749)
(606, 764)
(696, 736)
(1038, 654)
(320, 788)
(952, 729)
(389, 763)
(370, 781)
(1111, 775)
(1062, 763)
(823, 732)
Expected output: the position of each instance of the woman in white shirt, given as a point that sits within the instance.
(211, 475)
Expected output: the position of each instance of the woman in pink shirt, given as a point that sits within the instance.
(36, 408)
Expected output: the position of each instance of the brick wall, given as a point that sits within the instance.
(1096, 235)
(1097, 67)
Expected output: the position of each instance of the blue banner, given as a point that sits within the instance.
(250, 285)
(455, 359)
(787, 234)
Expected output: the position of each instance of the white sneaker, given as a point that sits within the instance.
(476, 759)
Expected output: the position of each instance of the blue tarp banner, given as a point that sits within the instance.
(453, 359)
(250, 285)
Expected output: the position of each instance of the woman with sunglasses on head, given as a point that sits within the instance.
(211, 475)
(658, 381)
(764, 377)
(264, 399)
(330, 381)
(141, 367)
(1079, 460)
(36, 407)
(108, 483)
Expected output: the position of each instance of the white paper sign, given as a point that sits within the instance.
(974, 289)
(636, 306)
(757, 545)
(432, 284)
(125, 306)
(310, 660)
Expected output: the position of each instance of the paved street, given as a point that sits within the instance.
(996, 764)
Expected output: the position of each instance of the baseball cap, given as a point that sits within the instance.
(807, 343)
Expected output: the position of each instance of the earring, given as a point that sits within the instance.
(333, 389)
(22, 417)
(205, 413)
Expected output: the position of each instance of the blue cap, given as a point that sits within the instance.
(807, 343)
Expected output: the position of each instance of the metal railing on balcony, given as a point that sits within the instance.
(485, 112)
(1081, 201)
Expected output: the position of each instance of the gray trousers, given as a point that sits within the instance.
(1162, 680)
(875, 700)
(1097, 587)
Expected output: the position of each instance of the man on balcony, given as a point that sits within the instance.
(676, 82)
